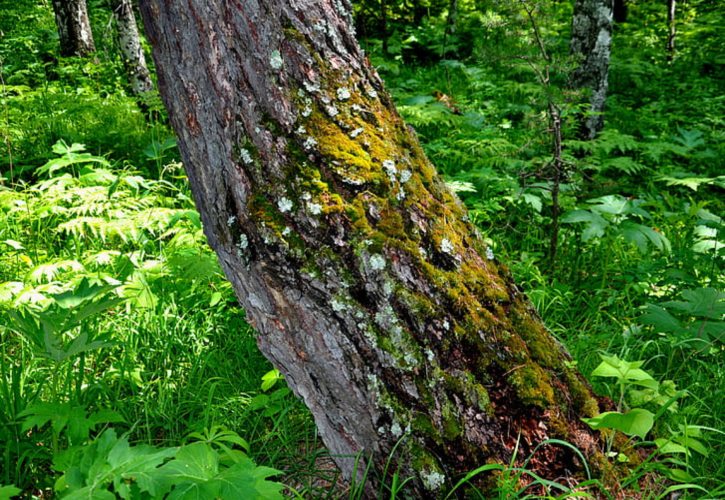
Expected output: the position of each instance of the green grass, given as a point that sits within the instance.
(115, 234)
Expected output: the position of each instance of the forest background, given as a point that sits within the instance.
(123, 353)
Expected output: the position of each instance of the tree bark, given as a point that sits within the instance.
(591, 41)
(129, 44)
(74, 28)
(370, 288)
(671, 28)
(620, 11)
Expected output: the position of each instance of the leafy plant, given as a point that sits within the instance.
(110, 467)
(697, 318)
(615, 214)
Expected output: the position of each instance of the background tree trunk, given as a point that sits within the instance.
(129, 43)
(620, 11)
(591, 40)
(671, 28)
(370, 289)
(74, 28)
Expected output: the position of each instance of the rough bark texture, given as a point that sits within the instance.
(370, 289)
(130, 45)
(591, 40)
(74, 28)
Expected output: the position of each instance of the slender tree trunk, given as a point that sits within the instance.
(591, 41)
(384, 24)
(451, 22)
(74, 28)
(419, 12)
(129, 43)
(371, 290)
(620, 11)
(452, 19)
(671, 28)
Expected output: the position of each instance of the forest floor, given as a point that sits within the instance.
(122, 345)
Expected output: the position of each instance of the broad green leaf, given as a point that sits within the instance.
(596, 224)
(624, 371)
(636, 422)
(702, 302)
(84, 292)
(668, 446)
(15, 245)
(8, 492)
(270, 378)
(245, 480)
(216, 297)
(661, 320)
(611, 204)
(534, 201)
(138, 464)
(642, 236)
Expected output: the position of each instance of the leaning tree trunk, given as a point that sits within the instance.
(370, 288)
(74, 28)
(129, 43)
(591, 40)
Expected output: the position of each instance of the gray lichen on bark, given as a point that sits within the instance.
(591, 41)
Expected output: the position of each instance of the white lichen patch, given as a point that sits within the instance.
(301, 130)
(245, 156)
(343, 94)
(447, 246)
(312, 87)
(314, 208)
(489, 253)
(353, 181)
(389, 167)
(284, 205)
(357, 132)
(432, 480)
(446, 325)
(410, 360)
(332, 111)
(286, 231)
(396, 430)
(430, 355)
(242, 245)
(377, 262)
(337, 306)
(231, 220)
(372, 94)
(400, 196)
(405, 176)
(275, 60)
(422, 252)
(309, 143)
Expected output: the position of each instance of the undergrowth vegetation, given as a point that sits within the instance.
(126, 367)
